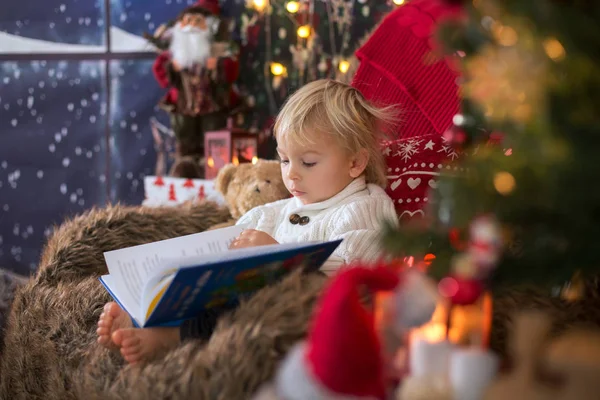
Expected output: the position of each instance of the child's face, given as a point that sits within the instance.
(314, 173)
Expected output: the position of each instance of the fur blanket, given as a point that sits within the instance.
(50, 350)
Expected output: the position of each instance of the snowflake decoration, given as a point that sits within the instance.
(448, 149)
(409, 148)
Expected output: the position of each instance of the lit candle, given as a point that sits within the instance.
(429, 357)
(470, 371)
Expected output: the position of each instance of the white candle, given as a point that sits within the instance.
(471, 371)
(429, 358)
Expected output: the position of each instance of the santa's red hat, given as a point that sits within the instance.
(341, 358)
(210, 7)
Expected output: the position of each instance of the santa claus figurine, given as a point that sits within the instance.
(342, 357)
(199, 72)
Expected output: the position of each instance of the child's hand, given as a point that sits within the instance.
(252, 238)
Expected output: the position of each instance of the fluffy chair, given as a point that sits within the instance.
(242, 354)
(50, 349)
(53, 317)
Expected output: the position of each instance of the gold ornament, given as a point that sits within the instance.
(504, 183)
(554, 49)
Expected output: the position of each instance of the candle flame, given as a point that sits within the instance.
(210, 162)
(254, 160)
(235, 161)
(464, 320)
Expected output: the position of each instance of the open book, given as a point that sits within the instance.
(166, 282)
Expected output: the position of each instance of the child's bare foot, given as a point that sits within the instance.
(139, 345)
(112, 319)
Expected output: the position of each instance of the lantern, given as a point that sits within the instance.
(231, 145)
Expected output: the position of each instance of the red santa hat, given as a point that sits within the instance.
(398, 66)
(426, 92)
(210, 7)
(341, 358)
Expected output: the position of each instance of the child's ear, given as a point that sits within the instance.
(224, 177)
(359, 163)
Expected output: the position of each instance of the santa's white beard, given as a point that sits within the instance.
(190, 46)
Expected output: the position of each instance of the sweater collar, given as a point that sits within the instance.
(357, 185)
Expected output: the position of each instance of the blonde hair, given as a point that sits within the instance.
(337, 109)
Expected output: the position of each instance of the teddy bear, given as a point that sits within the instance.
(246, 186)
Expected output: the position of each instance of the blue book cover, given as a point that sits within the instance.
(182, 292)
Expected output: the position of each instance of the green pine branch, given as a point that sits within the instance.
(551, 218)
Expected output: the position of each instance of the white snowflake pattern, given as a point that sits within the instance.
(448, 149)
(409, 148)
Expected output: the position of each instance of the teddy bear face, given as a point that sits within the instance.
(246, 186)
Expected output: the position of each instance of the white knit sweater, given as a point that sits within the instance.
(356, 215)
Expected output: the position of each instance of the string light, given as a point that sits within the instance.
(504, 183)
(259, 4)
(344, 66)
(304, 31)
(399, 2)
(277, 69)
(554, 49)
(505, 35)
(292, 7)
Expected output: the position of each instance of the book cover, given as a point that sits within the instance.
(215, 284)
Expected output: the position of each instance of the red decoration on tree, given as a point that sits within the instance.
(159, 181)
(189, 184)
(460, 291)
(496, 138)
(455, 239)
(201, 194)
(172, 196)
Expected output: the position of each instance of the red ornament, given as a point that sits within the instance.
(455, 136)
(159, 181)
(460, 291)
(201, 194)
(455, 239)
(172, 196)
(495, 138)
(188, 184)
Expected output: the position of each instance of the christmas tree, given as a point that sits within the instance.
(525, 209)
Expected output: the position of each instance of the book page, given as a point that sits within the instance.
(110, 285)
(133, 266)
(237, 254)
